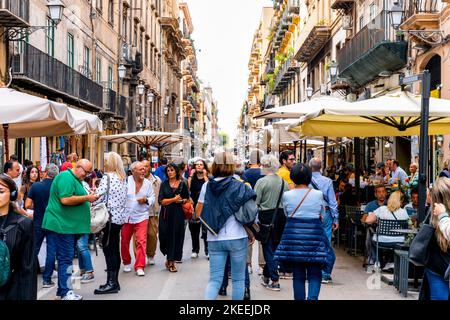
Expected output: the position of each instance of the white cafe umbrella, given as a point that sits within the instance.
(86, 122)
(294, 111)
(146, 138)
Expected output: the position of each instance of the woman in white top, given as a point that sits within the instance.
(392, 211)
(219, 201)
(115, 201)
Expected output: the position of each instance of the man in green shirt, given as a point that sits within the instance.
(68, 214)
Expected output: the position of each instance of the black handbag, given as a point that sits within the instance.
(418, 251)
(262, 229)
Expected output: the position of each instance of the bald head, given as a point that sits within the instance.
(315, 164)
(83, 169)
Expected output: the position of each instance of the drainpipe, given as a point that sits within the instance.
(161, 105)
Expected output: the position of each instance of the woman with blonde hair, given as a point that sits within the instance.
(438, 260)
(392, 211)
(113, 192)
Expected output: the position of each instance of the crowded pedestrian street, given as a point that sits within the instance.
(213, 151)
(351, 282)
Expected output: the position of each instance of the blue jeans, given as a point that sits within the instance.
(225, 275)
(328, 226)
(270, 268)
(439, 289)
(84, 256)
(64, 254)
(50, 259)
(313, 273)
(218, 253)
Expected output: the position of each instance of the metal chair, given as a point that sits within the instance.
(384, 229)
(354, 214)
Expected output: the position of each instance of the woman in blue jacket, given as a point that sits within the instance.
(304, 243)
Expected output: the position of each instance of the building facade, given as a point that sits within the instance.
(77, 62)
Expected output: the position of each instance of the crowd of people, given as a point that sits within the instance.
(297, 207)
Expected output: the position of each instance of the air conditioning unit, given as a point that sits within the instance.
(347, 22)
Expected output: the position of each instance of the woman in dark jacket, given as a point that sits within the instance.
(17, 232)
(172, 194)
(304, 243)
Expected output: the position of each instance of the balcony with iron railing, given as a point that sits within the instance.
(371, 51)
(14, 13)
(46, 74)
(342, 4)
(109, 100)
(121, 111)
(421, 14)
(288, 71)
(313, 37)
(288, 20)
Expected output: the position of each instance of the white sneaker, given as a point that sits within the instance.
(54, 274)
(72, 296)
(140, 272)
(194, 255)
(127, 268)
(150, 261)
(389, 265)
(207, 256)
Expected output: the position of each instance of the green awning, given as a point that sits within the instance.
(385, 56)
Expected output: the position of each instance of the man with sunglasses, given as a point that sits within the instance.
(287, 161)
(68, 215)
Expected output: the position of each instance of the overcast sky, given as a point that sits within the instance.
(223, 34)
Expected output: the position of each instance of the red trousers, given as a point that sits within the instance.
(140, 231)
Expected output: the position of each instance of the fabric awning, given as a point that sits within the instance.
(86, 122)
(394, 114)
(26, 115)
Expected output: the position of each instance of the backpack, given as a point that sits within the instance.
(5, 262)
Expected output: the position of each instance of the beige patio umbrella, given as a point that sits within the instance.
(146, 138)
(86, 122)
(294, 111)
(394, 114)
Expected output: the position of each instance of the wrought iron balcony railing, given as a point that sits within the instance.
(32, 65)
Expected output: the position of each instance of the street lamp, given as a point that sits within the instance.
(333, 70)
(396, 15)
(309, 92)
(55, 11)
(430, 37)
(122, 71)
(150, 97)
(141, 89)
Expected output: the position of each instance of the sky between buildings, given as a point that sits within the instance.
(223, 34)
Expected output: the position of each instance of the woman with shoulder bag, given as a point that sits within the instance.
(269, 190)
(309, 255)
(438, 259)
(115, 198)
(172, 195)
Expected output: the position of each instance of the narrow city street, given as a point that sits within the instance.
(350, 282)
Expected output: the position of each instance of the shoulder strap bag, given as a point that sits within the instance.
(301, 202)
(261, 230)
(418, 251)
(99, 213)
